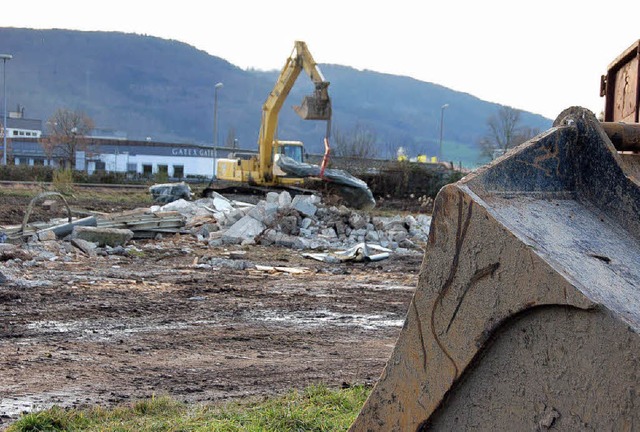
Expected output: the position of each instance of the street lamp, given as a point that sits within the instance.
(442, 108)
(215, 127)
(4, 58)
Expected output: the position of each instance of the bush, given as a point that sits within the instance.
(63, 181)
(26, 173)
(49, 174)
(407, 179)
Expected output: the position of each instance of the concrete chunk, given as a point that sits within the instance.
(88, 248)
(284, 200)
(102, 236)
(272, 237)
(46, 235)
(245, 228)
(233, 216)
(289, 225)
(357, 221)
(305, 205)
(264, 212)
(273, 197)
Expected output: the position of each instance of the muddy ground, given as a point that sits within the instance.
(191, 321)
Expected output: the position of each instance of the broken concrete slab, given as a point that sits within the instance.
(102, 236)
(265, 212)
(284, 199)
(288, 225)
(329, 233)
(305, 204)
(233, 216)
(273, 237)
(245, 228)
(357, 221)
(87, 247)
(46, 235)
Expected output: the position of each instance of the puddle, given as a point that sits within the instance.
(15, 406)
(323, 318)
(106, 330)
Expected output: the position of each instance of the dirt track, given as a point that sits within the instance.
(191, 321)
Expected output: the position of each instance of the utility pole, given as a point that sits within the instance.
(442, 108)
(4, 58)
(215, 128)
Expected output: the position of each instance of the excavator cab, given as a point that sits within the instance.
(292, 149)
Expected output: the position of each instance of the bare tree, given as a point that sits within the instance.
(67, 134)
(504, 132)
(358, 142)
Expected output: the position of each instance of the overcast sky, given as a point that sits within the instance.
(540, 56)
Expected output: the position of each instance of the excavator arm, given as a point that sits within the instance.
(314, 107)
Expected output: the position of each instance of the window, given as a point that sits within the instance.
(100, 166)
(15, 132)
(178, 171)
(132, 168)
(147, 170)
(163, 169)
(293, 151)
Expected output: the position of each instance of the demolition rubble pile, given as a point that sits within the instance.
(301, 222)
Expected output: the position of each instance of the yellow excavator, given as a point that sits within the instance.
(279, 164)
(262, 170)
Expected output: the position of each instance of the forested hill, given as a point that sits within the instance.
(164, 89)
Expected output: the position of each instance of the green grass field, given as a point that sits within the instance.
(316, 408)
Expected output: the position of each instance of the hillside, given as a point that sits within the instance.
(164, 89)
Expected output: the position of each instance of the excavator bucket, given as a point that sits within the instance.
(314, 108)
(526, 314)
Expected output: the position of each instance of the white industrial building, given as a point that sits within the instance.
(20, 127)
(142, 158)
(110, 150)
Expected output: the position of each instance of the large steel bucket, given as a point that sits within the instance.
(314, 108)
(527, 311)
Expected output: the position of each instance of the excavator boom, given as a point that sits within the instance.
(314, 107)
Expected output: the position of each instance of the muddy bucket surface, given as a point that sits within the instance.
(527, 311)
(314, 108)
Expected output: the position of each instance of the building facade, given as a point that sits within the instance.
(20, 127)
(140, 158)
